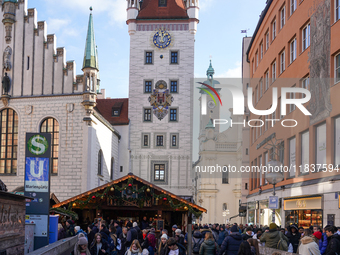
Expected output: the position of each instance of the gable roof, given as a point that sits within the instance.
(122, 179)
(105, 106)
(175, 9)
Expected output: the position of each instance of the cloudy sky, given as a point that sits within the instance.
(218, 35)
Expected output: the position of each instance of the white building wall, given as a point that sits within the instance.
(123, 151)
(179, 160)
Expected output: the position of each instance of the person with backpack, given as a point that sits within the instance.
(333, 239)
(114, 241)
(131, 235)
(197, 240)
(273, 237)
(209, 246)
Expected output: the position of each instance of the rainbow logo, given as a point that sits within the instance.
(204, 97)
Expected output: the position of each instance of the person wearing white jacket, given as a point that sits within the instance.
(308, 246)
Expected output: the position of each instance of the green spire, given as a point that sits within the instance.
(90, 55)
(210, 124)
(11, 1)
(210, 71)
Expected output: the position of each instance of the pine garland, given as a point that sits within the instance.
(65, 211)
(140, 200)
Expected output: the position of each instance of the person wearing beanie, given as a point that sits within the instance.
(272, 237)
(294, 236)
(162, 244)
(308, 244)
(232, 242)
(179, 236)
(134, 224)
(69, 228)
(174, 227)
(151, 241)
(81, 247)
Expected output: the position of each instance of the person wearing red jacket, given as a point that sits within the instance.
(151, 241)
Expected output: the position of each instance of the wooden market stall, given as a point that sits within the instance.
(131, 198)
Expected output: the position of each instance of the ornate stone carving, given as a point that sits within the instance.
(28, 109)
(7, 59)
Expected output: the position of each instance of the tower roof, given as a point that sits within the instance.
(173, 9)
(90, 55)
(11, 1)
(210, 124)
(210, 70)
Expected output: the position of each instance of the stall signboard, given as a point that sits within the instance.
(37, 185)
(273, 202)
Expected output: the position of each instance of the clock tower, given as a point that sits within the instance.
(212, 105)
(162, 43)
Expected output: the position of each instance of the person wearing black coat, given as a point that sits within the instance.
(144, 223)
(131, 234)
(294, 236)
(173, 245)
(122, 238)
(232, 242)
(90, 235)
(333, 239)
(118, 228)
(99, 246)
(70, 229)
(104, 232)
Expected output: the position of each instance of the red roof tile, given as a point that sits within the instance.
(175, 9)
(104, 107)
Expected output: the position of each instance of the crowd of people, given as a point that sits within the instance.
(131, 238)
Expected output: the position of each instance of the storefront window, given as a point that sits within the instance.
(251, 213)
(304, 218)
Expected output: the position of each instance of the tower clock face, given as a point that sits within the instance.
(162, 39)
(211, 104)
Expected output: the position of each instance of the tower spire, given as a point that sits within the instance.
(90, 55)
(210, 72)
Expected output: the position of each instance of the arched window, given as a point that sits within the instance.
(225, 206)
(51, 125)
(100, 160)
(112, 168)
(9, 141)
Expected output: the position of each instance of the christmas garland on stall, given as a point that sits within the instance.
(140, 200)
(65, 212)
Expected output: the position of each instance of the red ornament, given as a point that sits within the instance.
(164, 198)
(176, 209)
(130, 185)
(93, 197)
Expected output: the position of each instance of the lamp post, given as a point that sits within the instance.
(274, 176)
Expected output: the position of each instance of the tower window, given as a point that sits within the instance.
(159, 140)
(173, 87)
(147, 114)
(159, 172)
(148, 57)
(174, 140)
(112, 168)
(162, 3)
(173, 114)
(174, 57)
(147, 87)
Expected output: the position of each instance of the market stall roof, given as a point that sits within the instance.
(120, 180)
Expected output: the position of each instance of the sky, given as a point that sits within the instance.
(218, 35)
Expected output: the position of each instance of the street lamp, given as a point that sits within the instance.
(273, 177)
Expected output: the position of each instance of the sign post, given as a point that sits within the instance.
(37, 185)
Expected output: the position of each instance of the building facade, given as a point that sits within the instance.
(162, 43)
(219, 191)
(41, 93)
(296, 45)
